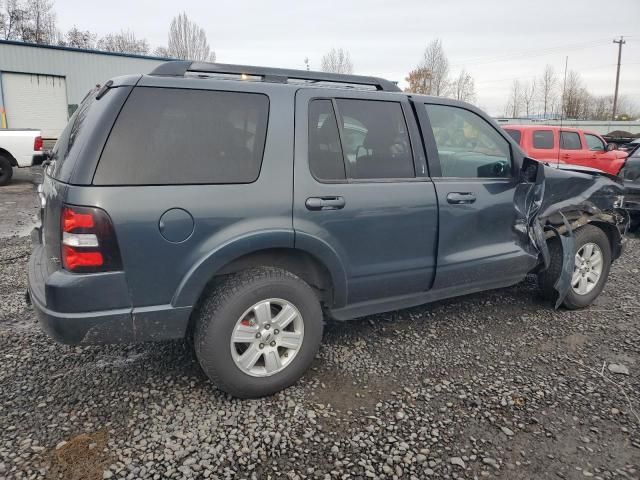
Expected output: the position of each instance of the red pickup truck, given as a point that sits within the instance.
(551, 144)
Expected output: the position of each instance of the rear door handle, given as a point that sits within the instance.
(325, 203)
(461, 198)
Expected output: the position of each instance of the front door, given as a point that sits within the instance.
(571, 149)
(480, 245)
(361, 191)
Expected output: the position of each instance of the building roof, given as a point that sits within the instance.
(81, 50)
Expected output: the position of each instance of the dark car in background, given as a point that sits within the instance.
(240, 206)
(631, 176)
(631, 147)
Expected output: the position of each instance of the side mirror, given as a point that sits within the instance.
(611, 146)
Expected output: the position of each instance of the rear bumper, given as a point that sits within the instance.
(74, 308)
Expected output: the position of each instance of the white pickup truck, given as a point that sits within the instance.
(18, 148)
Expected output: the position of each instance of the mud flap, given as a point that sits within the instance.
(568, 242)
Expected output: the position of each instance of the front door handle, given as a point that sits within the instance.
(461, 198)
(325, 203)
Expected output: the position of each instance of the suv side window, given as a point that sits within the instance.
(177, 136)
(594, 143)
(515, 134)
(468, 146)
(543, 139)
(325, 153)
(570, 141)
(375, 140)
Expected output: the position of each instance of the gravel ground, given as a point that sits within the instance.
(494, 384)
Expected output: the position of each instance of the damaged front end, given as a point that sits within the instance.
(555, 201)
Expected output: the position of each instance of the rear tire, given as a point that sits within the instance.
(239, 306)
(586, 236)
(6, 170)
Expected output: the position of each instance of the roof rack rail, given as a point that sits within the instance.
(180, 68)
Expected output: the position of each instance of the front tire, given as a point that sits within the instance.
(592, 262)
(258, 331)
(6, 170)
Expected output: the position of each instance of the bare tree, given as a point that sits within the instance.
(337, 60)
(77, 38)
(547, 85)
(435, 62)
(124, 42)
(528, 97)
(10, 19)
(188, 41)
(515, 100)
(419, 81)
(39, 22)
(464, 87)
(31, 21)
(161, 52)
(575, 98)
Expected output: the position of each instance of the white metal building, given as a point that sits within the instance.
(41, 85)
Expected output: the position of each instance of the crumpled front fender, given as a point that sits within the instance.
(554, 202)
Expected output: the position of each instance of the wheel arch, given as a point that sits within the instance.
(12, 160)
(604, 221)
(322, 272)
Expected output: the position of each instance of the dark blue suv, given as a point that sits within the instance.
(242, 205)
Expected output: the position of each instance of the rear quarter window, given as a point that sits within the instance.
(176, 136)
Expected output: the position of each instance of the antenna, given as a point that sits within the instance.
(562, 109)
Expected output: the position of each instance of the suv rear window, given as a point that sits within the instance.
(177, 136)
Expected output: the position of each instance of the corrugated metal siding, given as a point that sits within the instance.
(83, 70)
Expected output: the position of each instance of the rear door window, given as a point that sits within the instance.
(325, 154)
(178, 136)
(570, 141)
(543, 139)
(375, 140)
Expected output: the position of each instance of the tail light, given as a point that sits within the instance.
(89, 241)
(37, 144)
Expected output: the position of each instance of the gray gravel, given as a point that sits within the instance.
(494, 384)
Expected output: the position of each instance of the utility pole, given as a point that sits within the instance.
(615, 95)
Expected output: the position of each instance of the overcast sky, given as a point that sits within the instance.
(495, 40)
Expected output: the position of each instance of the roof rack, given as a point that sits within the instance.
(180, 68)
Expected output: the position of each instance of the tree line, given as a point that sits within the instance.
(546, 96)
(551, 96)
(35, 21)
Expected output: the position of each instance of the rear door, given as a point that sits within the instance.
(361, 189)
(544, 145)
(479, 245)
